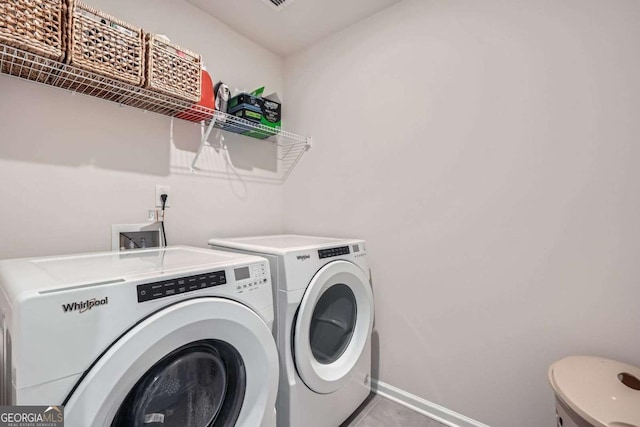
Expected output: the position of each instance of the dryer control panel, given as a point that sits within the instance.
(331, 252)
(250, 277)
(167, 288)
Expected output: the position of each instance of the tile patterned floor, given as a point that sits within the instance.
(377, 411)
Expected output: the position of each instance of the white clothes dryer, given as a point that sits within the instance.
(160, 337)
(324, 319)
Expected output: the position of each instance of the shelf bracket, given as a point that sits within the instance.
(203, 142)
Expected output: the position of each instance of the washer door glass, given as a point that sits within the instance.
(332, 323)
(198, 385)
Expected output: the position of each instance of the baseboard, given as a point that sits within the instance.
(418, 404)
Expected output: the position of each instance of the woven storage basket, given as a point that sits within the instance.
(104, 45)
(35, 26)
(172, 70)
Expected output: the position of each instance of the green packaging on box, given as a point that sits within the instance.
(253, 114)
(266, 111)
(244, 98)
(248, 114)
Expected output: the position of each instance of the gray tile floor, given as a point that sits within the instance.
(377, 411)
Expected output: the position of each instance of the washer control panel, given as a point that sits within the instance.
(250, 277)
(331, 252)
(181, 285)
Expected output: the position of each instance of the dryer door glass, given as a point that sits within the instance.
(198, 385)
(332, 323)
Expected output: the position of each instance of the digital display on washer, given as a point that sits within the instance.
(181, 285)
(328, 253)
(242, 273)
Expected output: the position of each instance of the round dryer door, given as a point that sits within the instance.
(206, 362)
(334, 322)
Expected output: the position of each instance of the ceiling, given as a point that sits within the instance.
(293, 27)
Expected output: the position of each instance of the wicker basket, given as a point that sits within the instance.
(172, 70)
(35, 26)
(104, 45)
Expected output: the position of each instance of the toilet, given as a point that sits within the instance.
(595, 392)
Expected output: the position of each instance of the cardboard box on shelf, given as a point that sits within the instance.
(266, 111)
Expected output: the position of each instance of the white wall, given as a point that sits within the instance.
(488, 152)
(70, 166)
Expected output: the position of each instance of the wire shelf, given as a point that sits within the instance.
(29, 66)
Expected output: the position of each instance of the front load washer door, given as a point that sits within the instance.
(206, 362)
(333, 324)
(199, 384)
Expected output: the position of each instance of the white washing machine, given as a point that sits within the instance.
(161, 337)
(324, 318)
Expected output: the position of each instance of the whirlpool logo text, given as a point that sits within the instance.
(84, 306)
